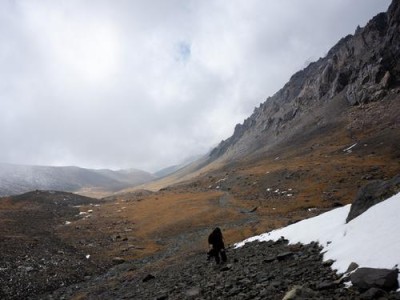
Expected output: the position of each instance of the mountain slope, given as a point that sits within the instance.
(350, 97)
(360, 68)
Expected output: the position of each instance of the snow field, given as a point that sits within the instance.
(371, 240)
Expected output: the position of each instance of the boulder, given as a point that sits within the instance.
(373, 193)
(367, 278)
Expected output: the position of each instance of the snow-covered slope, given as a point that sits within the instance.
(370, 240)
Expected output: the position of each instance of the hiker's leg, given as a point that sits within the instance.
(216, 254)
(223, 255)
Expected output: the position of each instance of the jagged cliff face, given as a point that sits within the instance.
(360, 68)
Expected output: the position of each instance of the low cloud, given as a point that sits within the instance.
(106, 84)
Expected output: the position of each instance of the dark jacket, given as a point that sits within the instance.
(216, 240)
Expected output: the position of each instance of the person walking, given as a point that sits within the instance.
(216, 242)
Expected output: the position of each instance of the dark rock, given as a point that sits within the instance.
(366, 278)
(353, 266)
(326, 285)
(280, 241)
(373, 293)
(276, 284)
(328, 262)
(371, 194)
(148, 278)
(268, 259)
(337, 204)
(226, 268)
(283, 256)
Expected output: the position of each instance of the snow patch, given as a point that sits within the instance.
(371, 240)
(349, 148)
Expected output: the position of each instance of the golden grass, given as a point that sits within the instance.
(132, 229)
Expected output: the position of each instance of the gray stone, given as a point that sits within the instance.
(193, 292)
(366, 278)
(29, 269)
(373, 193)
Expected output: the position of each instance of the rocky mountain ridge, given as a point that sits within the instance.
(360, 68)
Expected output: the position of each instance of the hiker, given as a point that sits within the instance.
(216, 242)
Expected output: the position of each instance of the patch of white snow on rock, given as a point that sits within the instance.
(370, 240)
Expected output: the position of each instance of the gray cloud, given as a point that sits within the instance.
(144, 84)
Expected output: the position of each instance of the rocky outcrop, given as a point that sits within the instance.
(360, 68)
(367, 278)
(373, 193)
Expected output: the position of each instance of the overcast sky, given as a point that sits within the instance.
(145, 84)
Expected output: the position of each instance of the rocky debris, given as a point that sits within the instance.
(373, 193)
(250, 273)
(33, 259)
(367, 278)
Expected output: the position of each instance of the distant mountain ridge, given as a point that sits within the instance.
(17, 179)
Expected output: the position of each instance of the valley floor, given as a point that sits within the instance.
(88, 247)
